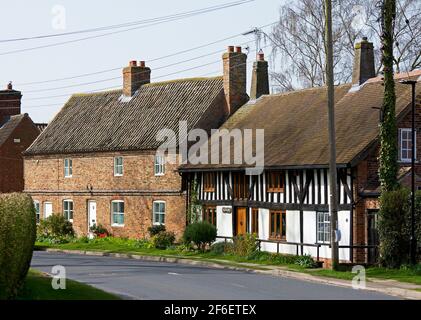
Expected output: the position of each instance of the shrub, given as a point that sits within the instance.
(218, 248)
(154, 230)
(201, 234)
(305, 261)
(244, 245)
(17, 237)
(55, 226)
(99, 230)
(163, 239)
(394, 239)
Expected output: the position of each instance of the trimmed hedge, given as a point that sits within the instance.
(201, 234)
(17, 238)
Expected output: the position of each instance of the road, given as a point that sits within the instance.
(136, 279)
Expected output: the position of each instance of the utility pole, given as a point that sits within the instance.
(333, 188)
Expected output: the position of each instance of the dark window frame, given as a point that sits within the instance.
(209, 214)
(209, 181)
(277, 230)
(275, 181)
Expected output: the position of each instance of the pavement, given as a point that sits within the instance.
(141, 279)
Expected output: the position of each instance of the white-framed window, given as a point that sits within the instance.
(37, 210)
(159, 165)
(405, 141)
(159, 212)
(117, 213)
(68, 167)
(68, 210)
(118, 166)
(323, 227)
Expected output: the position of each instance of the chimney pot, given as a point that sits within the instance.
(260, 56)
(238, 49)
(365, 38)
(9, 85)
(142, 64)
(230, 48)
(133, 63)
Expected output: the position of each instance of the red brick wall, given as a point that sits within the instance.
(9, 104)
(11, 162)
(138, 188)
(367, 178)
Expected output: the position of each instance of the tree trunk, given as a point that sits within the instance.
(388, 166)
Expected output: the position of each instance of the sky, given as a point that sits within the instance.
(34, 18)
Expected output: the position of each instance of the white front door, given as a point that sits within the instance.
(91, 213)
(48, 209)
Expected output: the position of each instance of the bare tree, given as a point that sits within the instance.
(298, 40)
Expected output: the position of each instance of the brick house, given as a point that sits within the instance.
(17, 132)
(288, 202)
(96, 162)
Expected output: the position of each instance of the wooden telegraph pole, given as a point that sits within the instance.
(333, 188)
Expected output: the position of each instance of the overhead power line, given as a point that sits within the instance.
(175, 18)
(148, 61)
(128, 24)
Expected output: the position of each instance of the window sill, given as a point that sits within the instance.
(68, 176)
(117, 225)
(159, 174)
(118, 175)
(158, 224)
(277, 239)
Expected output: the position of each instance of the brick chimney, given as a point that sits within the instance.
(363, 62)
(134, 76)
(259, 77)
(10, 101)
(235, 78)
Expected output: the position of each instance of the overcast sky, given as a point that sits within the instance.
(33, 18)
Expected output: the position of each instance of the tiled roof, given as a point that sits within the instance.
(296, 124)
(7, 128)
(106, 121)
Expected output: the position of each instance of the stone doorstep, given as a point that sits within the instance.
(389, 287)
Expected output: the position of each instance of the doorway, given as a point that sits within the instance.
(91, 215)
(372, 236)
(241, 221)
(48, 209)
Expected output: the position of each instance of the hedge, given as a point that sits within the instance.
(17, 238)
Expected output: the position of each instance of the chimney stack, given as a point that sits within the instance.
(10, 102)
(363, 62)
(134, 76)
(235, 78)
(259, 77)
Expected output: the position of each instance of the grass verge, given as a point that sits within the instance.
(38, 287)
